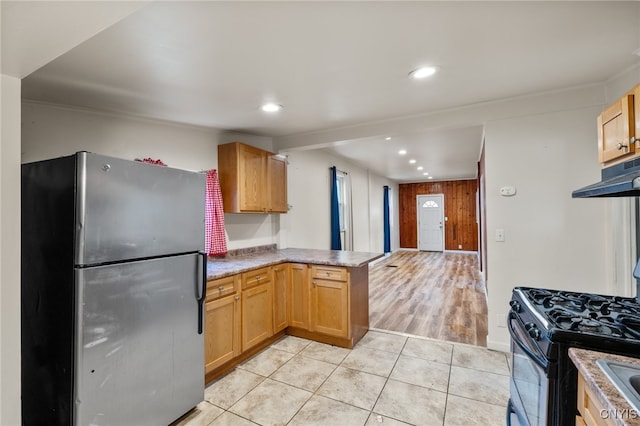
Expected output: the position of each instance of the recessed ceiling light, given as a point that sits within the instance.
(636, 52)
(422, 72)
(420, 167)
(402, 152)
(425, 174)
(412, 161)
(430, 177)
(271, 107)
(388, 138)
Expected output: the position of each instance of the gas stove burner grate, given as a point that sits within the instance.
(549, 299)
(567, 320)
(631, 324)
(608, 316)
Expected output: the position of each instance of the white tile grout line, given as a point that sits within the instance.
(431, 339)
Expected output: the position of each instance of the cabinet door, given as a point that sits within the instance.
(257, 315)
(330, 307)
(299, 295)
(222, 331)
(277, 184)
(280, 297)
(636, 113)
(252, 176)
(616, 126)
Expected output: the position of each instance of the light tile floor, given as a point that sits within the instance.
(388, 379)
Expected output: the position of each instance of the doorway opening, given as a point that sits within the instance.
(430, 217)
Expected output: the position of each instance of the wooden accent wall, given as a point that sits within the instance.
(459, 207)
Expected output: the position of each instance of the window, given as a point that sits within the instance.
(344, 207)
(430, 204)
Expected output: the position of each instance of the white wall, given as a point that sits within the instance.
(552, 240)
(51, 131)
(9, 250)
(308, 222)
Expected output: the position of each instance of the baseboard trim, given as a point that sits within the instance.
(461, 251)
(498, 346)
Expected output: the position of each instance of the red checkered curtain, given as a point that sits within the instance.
(215, 239)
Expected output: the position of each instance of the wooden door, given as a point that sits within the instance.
(222, 331)
(299, 295)
(616, 126)
(252, 178)
(330, 307)
(280, 297)
(277, 171)
(257, 315)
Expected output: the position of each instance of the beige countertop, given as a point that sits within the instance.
(618, 408)
(219, 267)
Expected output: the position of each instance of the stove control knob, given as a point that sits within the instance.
(515, 306)
(534, 331)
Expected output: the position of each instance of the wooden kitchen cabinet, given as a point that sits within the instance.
(222, 322)
(299, 295)
(251, 180)
(247, 312)
(619, 129)
(277, 172)
(329, 301)
(257, 307)
(280, 297)
(329, 304)
(589, 406)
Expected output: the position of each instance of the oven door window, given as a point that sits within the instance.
(529, 379)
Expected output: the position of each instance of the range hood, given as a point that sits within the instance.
(620, 180)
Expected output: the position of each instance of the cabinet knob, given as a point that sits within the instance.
(633, 139)
(221, 288)
(237, 298)
(620, 146)
(313, 282)
(276, 269)
(328, 273)
(258, 277)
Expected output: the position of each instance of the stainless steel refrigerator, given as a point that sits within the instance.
(113, 281)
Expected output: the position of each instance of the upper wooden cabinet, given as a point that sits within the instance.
(618, 127)
(277, 172)
(252, 180)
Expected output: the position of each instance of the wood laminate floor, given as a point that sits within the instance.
(429, 294)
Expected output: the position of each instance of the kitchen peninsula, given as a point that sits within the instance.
(255, 296)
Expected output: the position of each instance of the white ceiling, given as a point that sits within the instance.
(339, 64)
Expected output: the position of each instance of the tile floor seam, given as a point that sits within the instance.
(297, 387)
(387, 380)
(299, 409)
(446, 399)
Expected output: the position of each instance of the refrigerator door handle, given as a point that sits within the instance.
(201, 291)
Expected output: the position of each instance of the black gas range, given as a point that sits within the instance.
(543, 325)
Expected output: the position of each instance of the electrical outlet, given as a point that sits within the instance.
(459, 246)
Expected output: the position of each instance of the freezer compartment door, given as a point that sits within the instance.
(130, 210)
(139, 356)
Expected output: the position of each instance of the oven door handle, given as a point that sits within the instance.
(541, 361)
